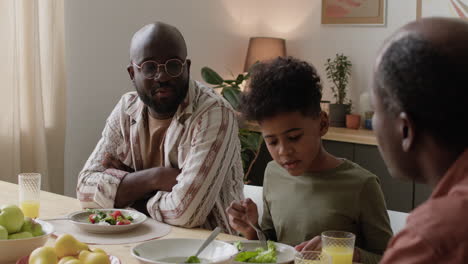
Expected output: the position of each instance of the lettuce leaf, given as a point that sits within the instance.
(260, 255)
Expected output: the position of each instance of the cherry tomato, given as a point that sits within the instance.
(116, 214)
(124, 222)
(92, 218)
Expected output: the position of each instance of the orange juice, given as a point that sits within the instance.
(339, 255)
(30, 208)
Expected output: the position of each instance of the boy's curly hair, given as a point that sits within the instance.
(284, 84)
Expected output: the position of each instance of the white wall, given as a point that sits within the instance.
(217, 33)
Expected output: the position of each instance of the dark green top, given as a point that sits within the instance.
(346, 198)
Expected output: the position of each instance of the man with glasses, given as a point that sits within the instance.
(171, 148)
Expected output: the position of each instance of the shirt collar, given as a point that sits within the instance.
(456, 176)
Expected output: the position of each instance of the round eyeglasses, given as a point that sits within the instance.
(172, 67)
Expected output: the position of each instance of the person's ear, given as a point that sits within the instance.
(406, 131)
(324, 123)
(131, 71)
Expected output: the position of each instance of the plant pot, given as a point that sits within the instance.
(353, 121)
(338, 115)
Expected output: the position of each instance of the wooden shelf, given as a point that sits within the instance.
(358, 136)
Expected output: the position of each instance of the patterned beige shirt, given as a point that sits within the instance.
(202, 141)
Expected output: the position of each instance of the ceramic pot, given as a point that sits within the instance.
(338, 115)
(353, 121)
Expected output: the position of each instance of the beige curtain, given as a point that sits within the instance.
(32, 85)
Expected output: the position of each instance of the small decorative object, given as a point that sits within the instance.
(357, 12)
(368, 119)
(353, 121)
(338, 72)
(444, 8)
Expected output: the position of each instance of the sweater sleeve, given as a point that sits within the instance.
(267, 222)
(374, 222)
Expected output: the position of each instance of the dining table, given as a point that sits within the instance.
(55, 205)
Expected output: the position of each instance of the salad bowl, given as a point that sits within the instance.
(99, 220)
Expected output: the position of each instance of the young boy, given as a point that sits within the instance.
(306, 190)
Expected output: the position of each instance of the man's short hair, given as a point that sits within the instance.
(429, 84)
(282, 85)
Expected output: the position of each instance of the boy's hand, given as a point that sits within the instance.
(240, 214)
(315, 244)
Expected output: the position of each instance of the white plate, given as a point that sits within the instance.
(284, 253)
(80, 219)
(173, 250)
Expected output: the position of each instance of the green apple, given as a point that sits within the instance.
(3, 233)
(11, 217)
(37, 230)
(20, 235)
(27, 225)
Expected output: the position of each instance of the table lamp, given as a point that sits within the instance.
(264, 48)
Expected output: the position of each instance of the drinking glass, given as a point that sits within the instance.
(338, 246)
(311, 257)
(29, 192)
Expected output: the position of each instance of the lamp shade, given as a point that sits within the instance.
(263, 48)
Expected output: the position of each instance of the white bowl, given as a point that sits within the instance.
(176, 250)
(284, 253)
(80, 219)
(12, 250)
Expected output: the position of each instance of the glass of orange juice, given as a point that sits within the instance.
(29, 192)
(338, 246)
(311, 257)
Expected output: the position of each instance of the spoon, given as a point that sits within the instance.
(208, 240)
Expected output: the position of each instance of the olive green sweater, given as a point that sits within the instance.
(347, 198)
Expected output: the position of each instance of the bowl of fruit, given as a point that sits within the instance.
(107, 220)
(68, 250)
(20, 235)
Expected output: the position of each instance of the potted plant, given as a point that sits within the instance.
(251, 141)
(338, 72)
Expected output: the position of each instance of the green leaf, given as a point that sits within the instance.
(210, 76)
(232, 96)
(245, 256)
(240, 78)
(193, 259)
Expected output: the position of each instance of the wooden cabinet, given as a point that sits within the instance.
(421, 193)
(398, 194)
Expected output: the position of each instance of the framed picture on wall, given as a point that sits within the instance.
(354, 12)
(445, 8)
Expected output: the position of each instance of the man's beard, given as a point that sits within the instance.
(166, 105)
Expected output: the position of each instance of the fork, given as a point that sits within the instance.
(261, 236)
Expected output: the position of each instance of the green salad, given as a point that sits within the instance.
(193, 259)
(260, 255)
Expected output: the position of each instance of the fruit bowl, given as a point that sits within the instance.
(12, 250)
(112, 259)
